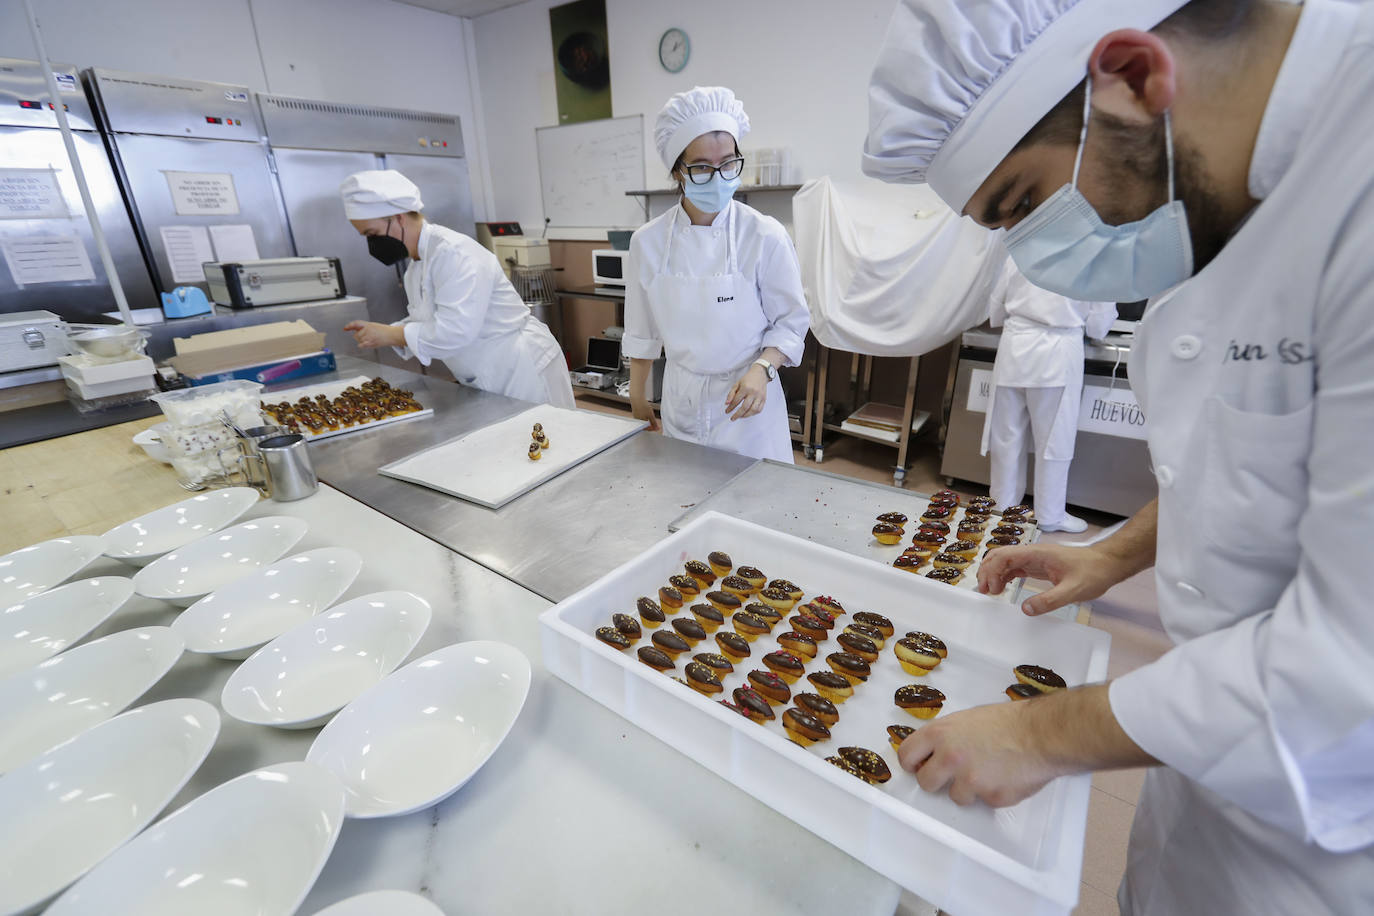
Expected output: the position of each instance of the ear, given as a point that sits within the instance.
(1134, 75)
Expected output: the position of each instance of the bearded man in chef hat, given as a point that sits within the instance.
(1216, 156)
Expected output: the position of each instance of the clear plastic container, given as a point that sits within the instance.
(204, 404)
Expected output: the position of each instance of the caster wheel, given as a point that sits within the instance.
(809, 452)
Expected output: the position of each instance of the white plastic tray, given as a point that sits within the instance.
(332, 390)
(1025, 859)
(491, 466)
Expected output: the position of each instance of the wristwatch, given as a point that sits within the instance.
(768, 368)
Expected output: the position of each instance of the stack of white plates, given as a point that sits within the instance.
(148, 537)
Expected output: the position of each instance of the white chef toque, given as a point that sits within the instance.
(378, 193)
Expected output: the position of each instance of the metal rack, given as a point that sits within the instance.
(860, 384)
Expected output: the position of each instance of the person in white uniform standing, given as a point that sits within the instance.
(714, 285)
(462, 309)
(1217, 155)
(1037, 389)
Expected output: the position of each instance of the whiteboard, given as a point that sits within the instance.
(585, 170)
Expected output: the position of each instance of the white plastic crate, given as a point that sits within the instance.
(974, 860)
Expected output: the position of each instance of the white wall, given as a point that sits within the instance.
(363, 51)
(801, 67)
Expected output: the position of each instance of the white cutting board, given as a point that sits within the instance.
(491, 466)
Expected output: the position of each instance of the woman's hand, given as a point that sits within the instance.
(641, 409)
(371, 334)
(749, 394)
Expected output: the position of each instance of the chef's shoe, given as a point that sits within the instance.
(1070, 523)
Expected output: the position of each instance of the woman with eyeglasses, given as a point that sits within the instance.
(714, 285)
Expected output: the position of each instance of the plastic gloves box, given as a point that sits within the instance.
(275, 371)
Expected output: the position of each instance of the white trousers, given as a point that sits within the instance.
(1019, 417)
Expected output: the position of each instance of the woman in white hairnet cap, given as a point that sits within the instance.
(1216, 157)
(462, 309)
(715, 286)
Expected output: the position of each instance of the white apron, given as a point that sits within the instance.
(1033, 355)
(715, 325)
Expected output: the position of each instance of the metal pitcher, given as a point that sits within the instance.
(287, 471)
(246, 444)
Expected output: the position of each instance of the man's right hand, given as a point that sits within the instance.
(643, 410)
(1078, 573)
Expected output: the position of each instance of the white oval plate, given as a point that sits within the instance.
(76, 804)
(422, 732)
(148, 537)
(42, 626)
(243, 615)
(202, 566)
(34, 569)
(45, 705)
(254, 845)
(310, 672)
(377, 903)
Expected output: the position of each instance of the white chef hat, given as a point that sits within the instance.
(379, 192)
(958, 83)
(698, 111)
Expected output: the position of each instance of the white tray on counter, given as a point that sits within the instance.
(332, 390)
(976, 860)
(491, 466)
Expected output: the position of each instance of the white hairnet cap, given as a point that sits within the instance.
(698, 111)
(958, 83)
(379, 192)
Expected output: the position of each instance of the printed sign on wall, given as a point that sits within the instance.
(203, 193)
(1105, 410)
(31, 194)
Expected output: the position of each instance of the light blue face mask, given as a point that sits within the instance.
(1065, 247)
(712, 196)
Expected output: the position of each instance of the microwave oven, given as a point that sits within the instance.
(609, 267)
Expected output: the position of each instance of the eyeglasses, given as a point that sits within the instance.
(701, 173)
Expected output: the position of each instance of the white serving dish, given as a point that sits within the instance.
(190, 572)
(420, 734)
(332, 390)
(254, 845)
(974, 860)
(389, 903)
(73, 806)
(148, 537)
(310, 672)
(243, 615)
(41, 626)
(45, 705)
(33, 569)
(150, 440)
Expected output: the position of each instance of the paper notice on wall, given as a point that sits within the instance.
(188, 247)
(47, 259)
(234, 242)
(203, 193)
(31, 194)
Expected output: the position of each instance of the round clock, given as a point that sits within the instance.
(673, 50)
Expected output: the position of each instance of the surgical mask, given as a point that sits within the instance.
(712, 196)
(1065, 247)
(386, 248)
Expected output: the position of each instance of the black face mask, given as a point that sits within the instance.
(388, 249)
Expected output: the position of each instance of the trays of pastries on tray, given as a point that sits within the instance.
(970, 860)
(345, 406)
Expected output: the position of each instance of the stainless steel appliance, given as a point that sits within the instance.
(31, 339)
(49, 260)
(192, 161)
(250, 284)
(315, 145)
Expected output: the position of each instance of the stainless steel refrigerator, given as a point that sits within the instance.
(48, 258)
(315, 145)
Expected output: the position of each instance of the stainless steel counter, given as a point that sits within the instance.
(553, 541)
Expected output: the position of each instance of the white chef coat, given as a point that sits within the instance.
(464, 312)
(1257, 376)
(710, 344)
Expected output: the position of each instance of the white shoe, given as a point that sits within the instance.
(1070, 523)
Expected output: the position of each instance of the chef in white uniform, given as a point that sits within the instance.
(1226, 167)
(1037, 388)
(462, 309)
(714, 285)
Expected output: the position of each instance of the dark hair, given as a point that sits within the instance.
(678, 163)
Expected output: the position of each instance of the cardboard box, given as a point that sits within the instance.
(276, 371)
(238, 348)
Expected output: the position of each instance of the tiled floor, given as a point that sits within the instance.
(1127, 612)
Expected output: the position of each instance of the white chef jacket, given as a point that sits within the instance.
(1257, 376)
(464, 312)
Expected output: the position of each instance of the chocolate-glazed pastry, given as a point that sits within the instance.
(896, 734)
(987, 503)
(718, 663)
(754, 704)
(1020, 511)
(885, 533)
(700, 571)
(1000, 541)
(798, 644)
(928, 540)
(832, 686)
(820, 614)
(793, 589)
(752, 575)
(785, 665)
(733, 708)
(1007, 531)
(707, 616)
(961, 548)
(972, 530)
(917, 657)
(670, 597)
(721, 563)
(686, 585)
(689, 629)
(946, 495)
(909, 563)
(816, 705)
(945, 502)
(828, 603)
(703, 679)
(732, 645)
(773, 688)
(937, 514)
(849, 666)
(869, 619)
(724, 602)
(951, 561)
(870, 764)
(535, 452)
(804, 729)
(656, 658)
(868, 632)
(941, 528)
(949, 575)
(750, 626)
(1022, 692)
(921, 700)
(845, 765)
(807, 625)
(769, 615)
(934, 642)
(671, 643)
(776, 597)
(734, 585)
(650, 612)
(893, 518)
(627, 625)
(858, 645)
(1042, 679)
(613, 638)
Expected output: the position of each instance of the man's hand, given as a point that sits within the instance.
(641, 409)
(749, 394)
(370, 334)
(1078, 573)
